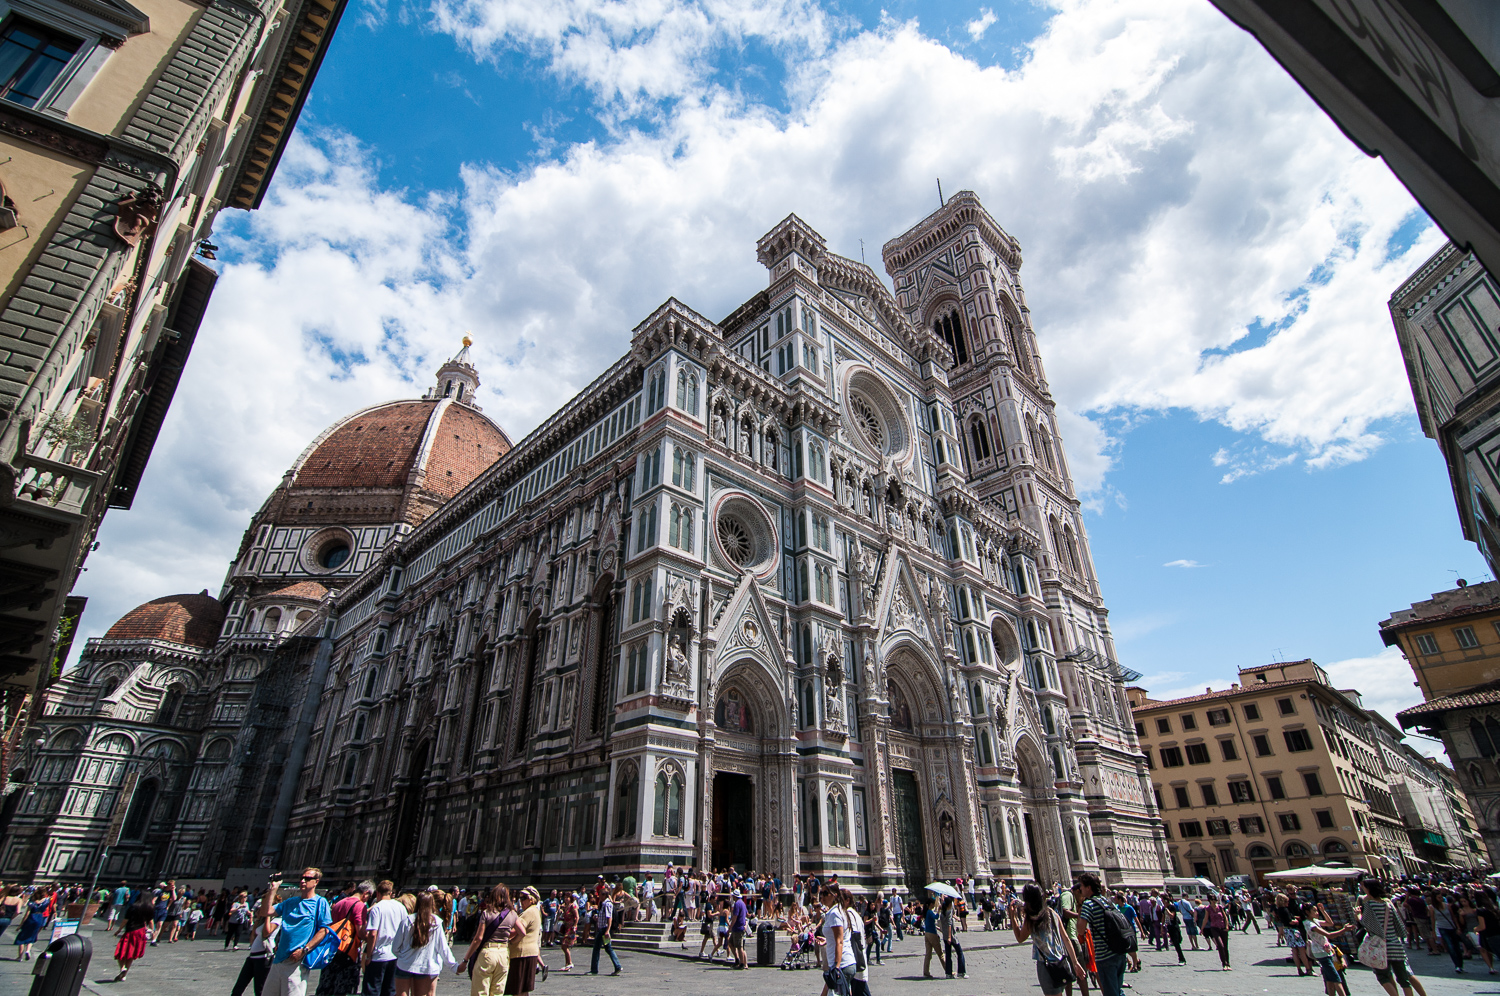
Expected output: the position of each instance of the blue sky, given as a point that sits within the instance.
(1207, 260)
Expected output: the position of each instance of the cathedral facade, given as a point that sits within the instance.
(803, 590)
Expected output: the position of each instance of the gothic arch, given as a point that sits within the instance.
(1015, 331)
(64, 740)
(770, 713)
(1033, 770)
(175, 676)
(528, 665)
(938, 300)
(115, 742)
(918, 676)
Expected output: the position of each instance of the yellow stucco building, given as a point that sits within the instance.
(1279, 771)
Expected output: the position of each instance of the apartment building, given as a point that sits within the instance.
(1452, 642)
(124, 131)
(1441, 829)
(1279, 771)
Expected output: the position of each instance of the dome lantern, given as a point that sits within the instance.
(457, 378)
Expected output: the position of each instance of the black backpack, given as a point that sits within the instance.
(1119, 936)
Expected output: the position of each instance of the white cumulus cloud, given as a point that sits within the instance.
(1386, 685)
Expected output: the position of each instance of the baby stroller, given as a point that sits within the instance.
(803, 952)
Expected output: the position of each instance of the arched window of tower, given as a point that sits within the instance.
(980, 437)
(950, 327)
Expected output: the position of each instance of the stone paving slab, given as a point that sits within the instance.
(204, 968)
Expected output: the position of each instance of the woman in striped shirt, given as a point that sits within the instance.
(1378, 916)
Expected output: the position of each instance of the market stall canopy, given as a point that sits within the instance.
(1317, 872)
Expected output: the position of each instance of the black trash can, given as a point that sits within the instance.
(61, 968)
(765, 944)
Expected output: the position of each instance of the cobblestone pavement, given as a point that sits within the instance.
(204, 968)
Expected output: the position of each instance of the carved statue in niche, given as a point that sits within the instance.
(678, 669)
(937, 607)
(947, 836)
(833, 693)
(717, 427)
(733, 713)
(867, 582)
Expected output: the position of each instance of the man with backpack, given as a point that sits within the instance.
(341, 976)
(1114, 938)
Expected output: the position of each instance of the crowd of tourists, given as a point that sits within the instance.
(368, 940)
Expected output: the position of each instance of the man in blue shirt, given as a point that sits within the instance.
(118, 903)
(896, 917)
(305, 921)
(739, 922)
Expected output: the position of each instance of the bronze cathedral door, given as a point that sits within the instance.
(910, 846)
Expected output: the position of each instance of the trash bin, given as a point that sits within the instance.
(765, 944)
(60, 969)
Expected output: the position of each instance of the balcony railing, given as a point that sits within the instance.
(57, 485)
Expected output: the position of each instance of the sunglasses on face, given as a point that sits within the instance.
(309, 878)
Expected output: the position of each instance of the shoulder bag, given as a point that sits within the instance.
(339, 934)
(1372, 952)
(1061, 969)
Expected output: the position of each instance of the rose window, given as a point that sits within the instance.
(868, 420)
(743, 535)
(876, 417)
(735, 540)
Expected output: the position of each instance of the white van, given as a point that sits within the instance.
(1192, 888)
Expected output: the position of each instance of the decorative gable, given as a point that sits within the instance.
(746, 628)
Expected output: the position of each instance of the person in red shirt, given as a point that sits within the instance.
(341, 977)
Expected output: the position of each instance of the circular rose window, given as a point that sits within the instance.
(744, 536)
(734, 537)
(867, 420)
(877, 417)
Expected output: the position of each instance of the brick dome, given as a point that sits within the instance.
(434, 446)
(190, 620)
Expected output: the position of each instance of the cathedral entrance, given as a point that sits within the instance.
(1036, 862)
(733, 822)
(910, 846)
(408, 823)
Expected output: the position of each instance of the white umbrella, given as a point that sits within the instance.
(942, 889)
(1317, 872)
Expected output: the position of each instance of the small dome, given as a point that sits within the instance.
(190, 620)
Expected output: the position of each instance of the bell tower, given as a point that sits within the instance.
(457, 378)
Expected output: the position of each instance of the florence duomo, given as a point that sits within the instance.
(803, 590)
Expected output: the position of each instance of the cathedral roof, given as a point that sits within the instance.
(190, 620)
(310, 590)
